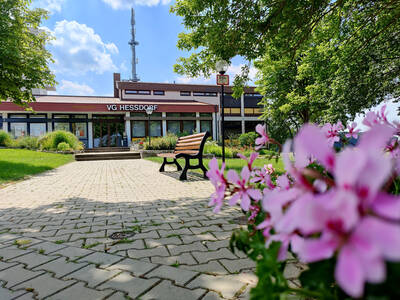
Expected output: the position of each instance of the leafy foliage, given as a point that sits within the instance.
(23, 56)
(318, 61)
(5, 138)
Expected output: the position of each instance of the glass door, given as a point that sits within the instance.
(108, 131)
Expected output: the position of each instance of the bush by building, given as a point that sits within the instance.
(5, 139)
(63, 147)
(248, 139)
(162, 143)
(51, 140)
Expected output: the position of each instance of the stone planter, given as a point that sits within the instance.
(150, 153)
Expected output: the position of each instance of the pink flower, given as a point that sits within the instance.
(254, 209)
(264, 139)
(332, 132)
(244, 193)
(217, 178)
(215, 174)
(251, 159)
(262, 176)
(353, 132)
(270, 168)
(361, 253)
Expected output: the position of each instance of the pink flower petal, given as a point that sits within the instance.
(376, 138)
(234, 199)
(255, 194)
(245, 173)
(232, 176)
(310, 141)
(317, 249)
(349, 272)
(387, 205)
(245, 203)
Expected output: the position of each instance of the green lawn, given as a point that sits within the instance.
(15, 164)
(231, 163)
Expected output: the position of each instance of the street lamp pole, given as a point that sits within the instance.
(221, 67)
(149, 112)
(222, 122)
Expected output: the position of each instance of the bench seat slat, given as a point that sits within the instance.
(198, 135)
(186, 151)
(167, 155)
(189, 141)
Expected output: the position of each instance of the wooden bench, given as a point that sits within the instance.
(187, 147)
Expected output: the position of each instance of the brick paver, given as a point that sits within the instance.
(56, 236)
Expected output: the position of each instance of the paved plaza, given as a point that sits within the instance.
(55, 236)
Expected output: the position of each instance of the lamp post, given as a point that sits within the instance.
(149, 111)
(222, 66)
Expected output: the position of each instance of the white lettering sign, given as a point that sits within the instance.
(131, 107)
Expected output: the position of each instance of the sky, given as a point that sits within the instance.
(91, 43)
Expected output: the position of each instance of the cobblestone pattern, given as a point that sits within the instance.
(56, 227)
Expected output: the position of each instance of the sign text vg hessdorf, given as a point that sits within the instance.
(130, 107)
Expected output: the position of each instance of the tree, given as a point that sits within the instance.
(317, 60)
(23, 56)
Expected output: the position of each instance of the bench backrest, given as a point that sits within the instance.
(191, 144)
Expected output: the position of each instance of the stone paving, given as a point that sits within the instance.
(55, 236)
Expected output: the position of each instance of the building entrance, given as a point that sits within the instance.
(108, 131)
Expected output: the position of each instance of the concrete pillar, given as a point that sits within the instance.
(5, 124)
(243, 126)
(49, 123)
(198, 128)
(90, 131)
(242, 105)
(214, 126)
(164, 124)
(128, 129)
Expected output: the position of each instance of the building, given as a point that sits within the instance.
(115, 121)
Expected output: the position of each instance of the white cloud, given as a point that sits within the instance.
(74, 88)
(51, 5)
(77, 50)
(127, 4)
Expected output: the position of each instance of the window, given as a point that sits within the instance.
(205, 126)
(80, 130)
(137, 92)
(37, 116)
(232, 111)
(17, 116)
(206, 115)
(61, 126)
(161, 93)
(253, 111)
(61, 116)
(155, 128)
(174, 127)
(138, 128)
(205, 94)
(79, 116)
(192, 115)
(189, 126)
(186, 93)
(176, 115)
(37, 129)
(18, 129)
(252, 95)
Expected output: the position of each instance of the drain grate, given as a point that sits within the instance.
(120, 235)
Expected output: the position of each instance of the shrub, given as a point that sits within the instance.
(63, 146)
(51, 140)
(5, 139)
(248, 139)
(27, 142)
(213, 148)
(162, 143)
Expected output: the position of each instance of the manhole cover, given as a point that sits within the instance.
(121, 235)
(240, 220)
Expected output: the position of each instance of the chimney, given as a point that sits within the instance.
(117, 77)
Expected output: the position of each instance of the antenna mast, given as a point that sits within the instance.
(133, 43)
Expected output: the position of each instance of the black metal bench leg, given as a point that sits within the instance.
(184, 172)
(203, 168)
(177, 165)
(162, 168)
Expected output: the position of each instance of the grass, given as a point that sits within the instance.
(231, 163)
(16, 164)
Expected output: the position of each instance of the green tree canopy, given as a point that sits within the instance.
(23, 57)
(317, 60)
